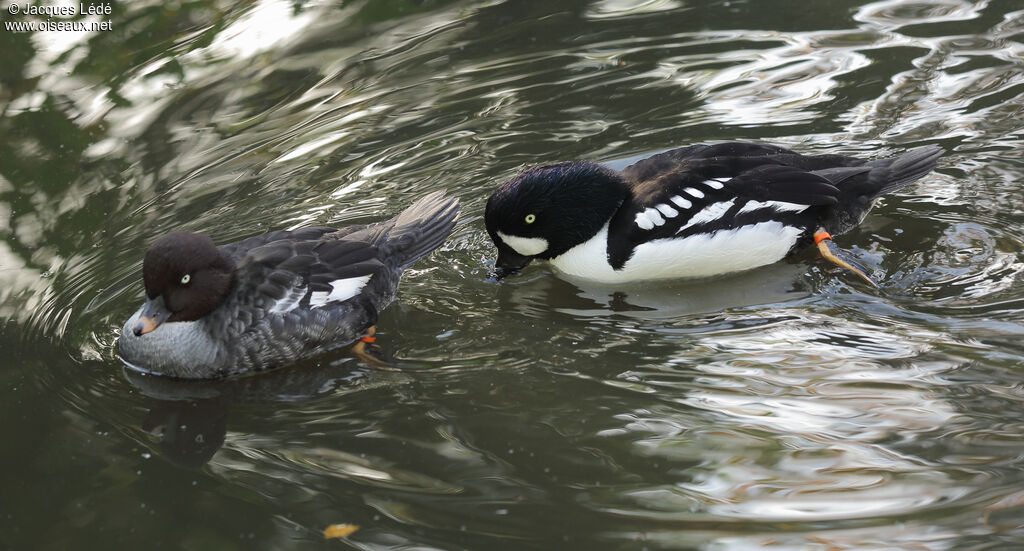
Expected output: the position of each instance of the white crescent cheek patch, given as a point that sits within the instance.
(526, 246)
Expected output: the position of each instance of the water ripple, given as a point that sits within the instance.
(787, 407)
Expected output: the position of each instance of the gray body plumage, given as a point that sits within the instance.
(273, 315)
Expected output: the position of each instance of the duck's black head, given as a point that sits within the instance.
(547, 210)
(186, 277)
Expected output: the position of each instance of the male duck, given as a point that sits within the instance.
(696, 211)
(275, 298)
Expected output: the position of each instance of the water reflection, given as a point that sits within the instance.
(788, 407)
(189, 432)
(542, 291)
(189, 419)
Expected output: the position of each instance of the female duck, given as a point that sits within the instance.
(275, 298)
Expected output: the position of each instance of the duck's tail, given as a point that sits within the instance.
(417, 230)
(897, 172)
(862, 183)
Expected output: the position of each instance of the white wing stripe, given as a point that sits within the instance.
(714, 184)
(667, 211)
(710, 213)
(643, 221)
(694, 192)
(341, 290)
(780, 206)
(289, 302)
(680, 202)
(655, 216)
(650, 217)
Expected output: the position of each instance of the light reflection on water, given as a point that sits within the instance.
(785, 408)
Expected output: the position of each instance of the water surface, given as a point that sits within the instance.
(790, 407)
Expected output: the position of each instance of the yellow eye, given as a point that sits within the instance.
(530, 218)
(185, 279)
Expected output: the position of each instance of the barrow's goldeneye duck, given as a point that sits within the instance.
(696, 211)
(275, 298)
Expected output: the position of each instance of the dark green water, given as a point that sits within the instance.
(787, 408)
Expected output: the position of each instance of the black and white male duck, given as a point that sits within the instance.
(696, 211)
(272, 299)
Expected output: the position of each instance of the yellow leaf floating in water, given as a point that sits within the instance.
(339, 531)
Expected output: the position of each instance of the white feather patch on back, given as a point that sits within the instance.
(655, 216)
(780, 206)
(341, 290)
(710, 213)
(642, 221)
(699, 255)
(289, 302)
(667, 211)
(526, 246)
(680, 202)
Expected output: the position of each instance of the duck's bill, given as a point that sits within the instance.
(842, 258)
(508, 263)
(153, 314)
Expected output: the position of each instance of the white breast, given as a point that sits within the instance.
(699, 255)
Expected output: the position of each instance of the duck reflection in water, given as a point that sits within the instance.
(190, 418)
(537, 296)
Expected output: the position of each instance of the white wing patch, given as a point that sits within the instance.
(780, 206)
(655, 216)
(694, 192)
(710, 213)
(716, 183)
(680, 202)
(643, 221)
(341, 290)
(667, 211)
(526, 246)
(648, 218)
(290, 301)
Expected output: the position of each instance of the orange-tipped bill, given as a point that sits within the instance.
(842, 258)
(153, 314)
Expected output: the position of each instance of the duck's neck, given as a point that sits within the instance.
(592, 195)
